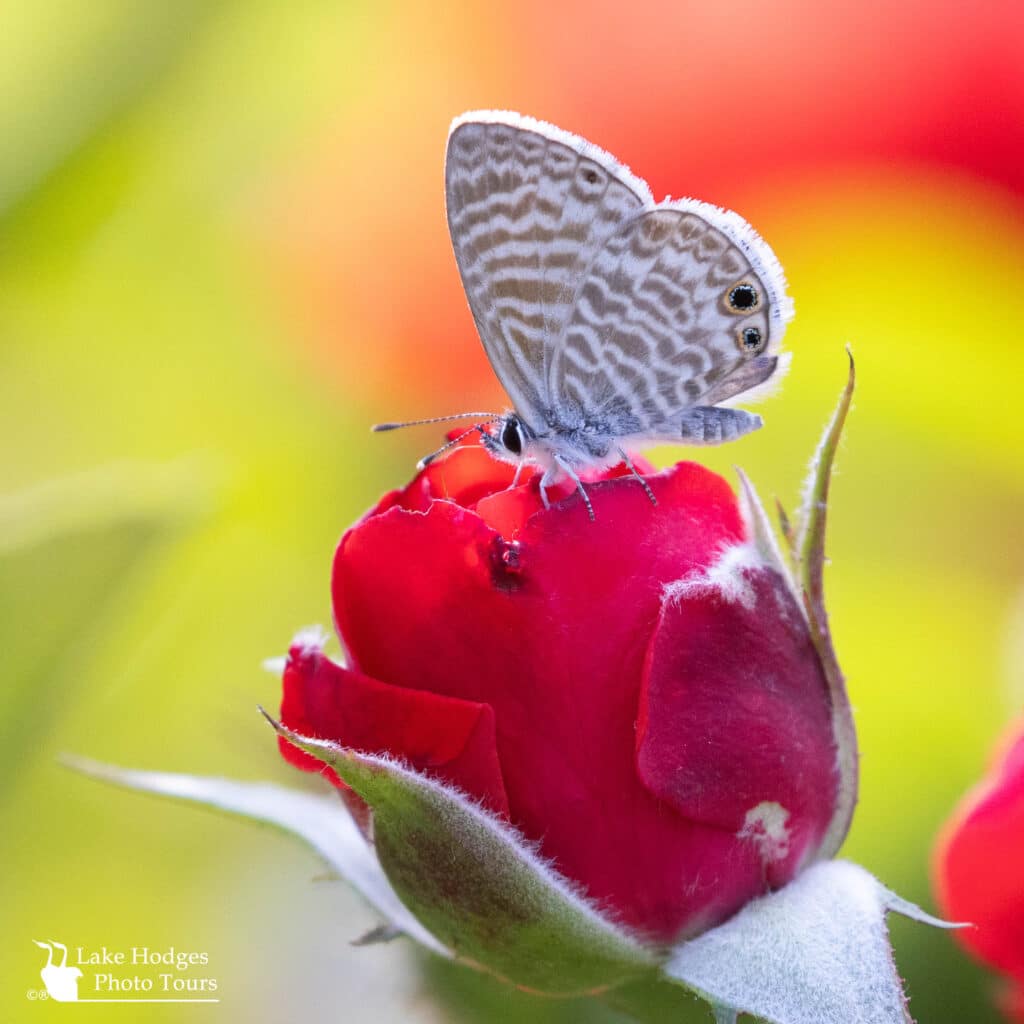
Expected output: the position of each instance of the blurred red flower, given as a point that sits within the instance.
(741, 104)
(638, 695)
(979, 870)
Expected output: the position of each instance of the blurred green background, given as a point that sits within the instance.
(223, 255)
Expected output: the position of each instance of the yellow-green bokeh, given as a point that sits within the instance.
(176, 470)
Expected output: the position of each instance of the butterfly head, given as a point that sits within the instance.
(510, 438)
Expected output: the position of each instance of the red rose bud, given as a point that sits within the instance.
(979, 870)
(569, 742)
(640, 696)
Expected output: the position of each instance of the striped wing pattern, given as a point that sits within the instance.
(528, 211)
(594, 304)
(651, 333)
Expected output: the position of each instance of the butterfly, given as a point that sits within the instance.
(612, 321)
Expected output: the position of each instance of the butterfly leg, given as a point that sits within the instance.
(567, 467)
(547, 478)
(643, 483)
(515, 478)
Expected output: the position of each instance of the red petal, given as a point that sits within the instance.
(507, 510)
(735, 723)
(1011, 1002)
(465, 475)
(452, 739)
(980, 864)
(552, 635)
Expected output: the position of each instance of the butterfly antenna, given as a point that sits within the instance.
(491, 416)
(428, 459)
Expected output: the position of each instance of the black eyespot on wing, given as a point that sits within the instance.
(590, 176)
(743, 297)
(510, 437)
(751, 340)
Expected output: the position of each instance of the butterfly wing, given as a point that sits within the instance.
(529, 208)
(683, 306)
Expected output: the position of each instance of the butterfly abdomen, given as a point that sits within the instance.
(714, 425)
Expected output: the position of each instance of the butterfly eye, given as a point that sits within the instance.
(751, 340)
(743, 297)
(510, 437)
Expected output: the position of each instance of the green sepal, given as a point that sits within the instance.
(478, 886)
